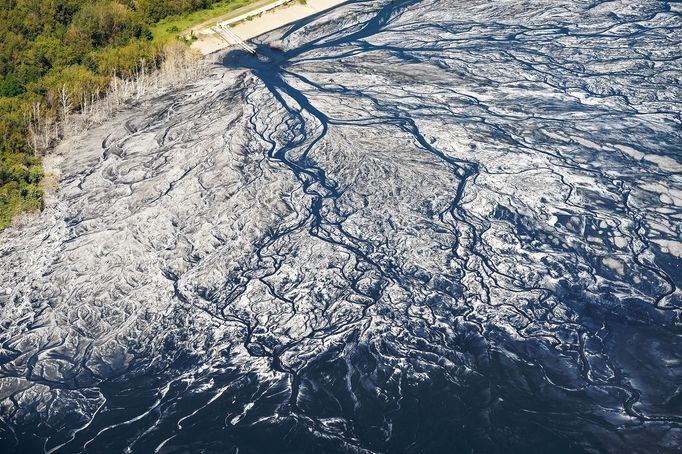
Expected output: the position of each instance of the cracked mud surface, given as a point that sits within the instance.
(412, 227)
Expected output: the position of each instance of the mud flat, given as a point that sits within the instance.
(446, 226)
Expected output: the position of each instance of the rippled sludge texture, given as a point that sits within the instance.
(446, 226)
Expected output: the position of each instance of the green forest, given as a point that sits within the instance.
(69, 48)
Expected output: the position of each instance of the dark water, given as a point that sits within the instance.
(402, 227)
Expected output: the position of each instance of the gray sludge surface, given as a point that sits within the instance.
(448, 226)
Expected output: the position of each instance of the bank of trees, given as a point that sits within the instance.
(58, 58)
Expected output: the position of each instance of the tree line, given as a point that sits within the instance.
(58, 58)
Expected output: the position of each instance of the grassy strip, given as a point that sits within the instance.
(170, 27)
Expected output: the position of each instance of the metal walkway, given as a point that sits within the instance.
(231, 37)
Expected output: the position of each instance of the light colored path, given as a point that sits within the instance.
(209, 41)
(224, 17)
